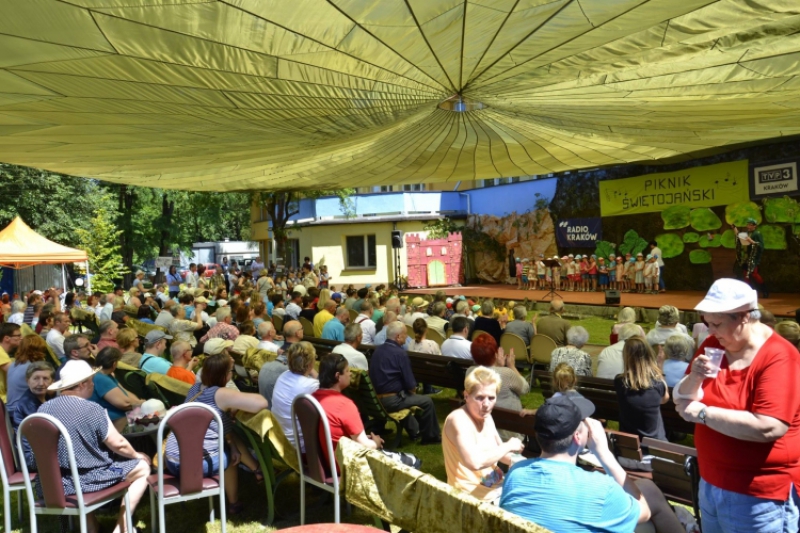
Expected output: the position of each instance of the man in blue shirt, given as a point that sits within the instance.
(395, 385)
(380, 337)
(334, 329)
(558, 495)
(154, 345)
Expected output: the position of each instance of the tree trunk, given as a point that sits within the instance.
(167, 208)
(126, 199)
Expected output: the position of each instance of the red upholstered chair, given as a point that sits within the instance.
(317, 469)
(9, 475)
(43, 433)
(189, 422)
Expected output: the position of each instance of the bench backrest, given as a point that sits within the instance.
(601, 392)
(675, 471)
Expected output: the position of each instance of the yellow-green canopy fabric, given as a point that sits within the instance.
(271, 94)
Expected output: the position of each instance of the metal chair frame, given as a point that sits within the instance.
(8, 487)
(82, 509)
(334, 489)
(158, 502)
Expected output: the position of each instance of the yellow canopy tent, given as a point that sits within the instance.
(269, 94)
(22, 247)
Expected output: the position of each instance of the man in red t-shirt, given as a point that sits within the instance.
(343, 417)
(747, 416)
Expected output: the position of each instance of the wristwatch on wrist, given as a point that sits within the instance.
(702, 415)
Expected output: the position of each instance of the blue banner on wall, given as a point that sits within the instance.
(579, 232)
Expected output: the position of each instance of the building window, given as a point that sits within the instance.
(361, 251)
(414, 187)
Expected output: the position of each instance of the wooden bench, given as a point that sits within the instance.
(601, 392)
(363, 395)
(436, 370)
(675, 471)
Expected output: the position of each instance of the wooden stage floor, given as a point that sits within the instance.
(781, 304)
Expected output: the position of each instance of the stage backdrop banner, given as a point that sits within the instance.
(774, 179)
(707, 186)
(579, 232)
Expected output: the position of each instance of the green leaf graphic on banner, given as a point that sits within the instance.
(671, 244)
(676, 217)
(699, 257)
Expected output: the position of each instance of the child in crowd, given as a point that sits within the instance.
(583, 267)
(593, 272)
(639, 270)
(541, 273)
(619, 269)
(602, 272)
(574, 273)
(519, 269)
(630, 274)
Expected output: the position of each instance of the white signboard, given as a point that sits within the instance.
(778, 179)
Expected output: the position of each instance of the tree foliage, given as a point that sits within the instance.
(281, 206)
(52, 204)
(101, 243)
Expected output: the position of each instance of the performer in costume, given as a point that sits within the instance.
(749, 248)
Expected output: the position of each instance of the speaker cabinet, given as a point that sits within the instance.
(397, 238)
(612, 297)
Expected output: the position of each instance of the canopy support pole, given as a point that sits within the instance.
(88, 279)
(64, 277)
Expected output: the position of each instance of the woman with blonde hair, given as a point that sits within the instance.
(300, 379)
(128, 342)
(324, 297)
(641, 390)
(471, 445)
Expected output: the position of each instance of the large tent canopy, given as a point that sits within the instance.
(272, 94)
(22, 247)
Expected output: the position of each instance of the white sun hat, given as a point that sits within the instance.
(728, 295)
(75, 371)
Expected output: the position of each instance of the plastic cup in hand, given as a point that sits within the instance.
(715, 356)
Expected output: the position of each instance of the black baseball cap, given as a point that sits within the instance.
(560, 416)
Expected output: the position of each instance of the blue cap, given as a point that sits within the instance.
(336, 295)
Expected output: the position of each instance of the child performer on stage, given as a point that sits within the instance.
(630, 274)
(602, 271)
(593, 272)
(541, 272)
(639, 269)
(527, 274)
(557, 273)
(584, 269)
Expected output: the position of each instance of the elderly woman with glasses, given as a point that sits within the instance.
(745, 403)
(217, 370)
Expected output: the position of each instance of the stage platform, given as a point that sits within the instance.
(780, 304)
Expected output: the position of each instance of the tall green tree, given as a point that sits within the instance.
(52, 204)
(101, 243)
(281, 206)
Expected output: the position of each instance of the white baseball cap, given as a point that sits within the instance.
(728, 295)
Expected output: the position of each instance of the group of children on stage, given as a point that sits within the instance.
(587, 273)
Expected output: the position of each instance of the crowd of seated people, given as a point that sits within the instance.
(218, 323)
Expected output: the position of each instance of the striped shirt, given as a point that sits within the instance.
(561, 497)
